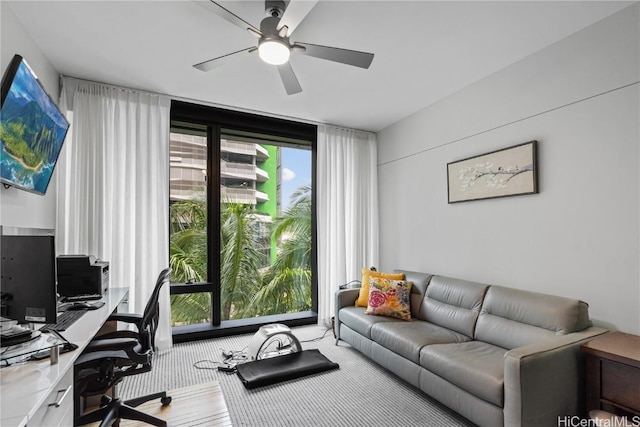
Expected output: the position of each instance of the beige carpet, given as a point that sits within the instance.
(360, 393)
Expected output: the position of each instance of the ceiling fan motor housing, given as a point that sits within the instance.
(269, 28)
(273, 47)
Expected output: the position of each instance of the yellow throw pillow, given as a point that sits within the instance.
(363, 297)
(390, 298)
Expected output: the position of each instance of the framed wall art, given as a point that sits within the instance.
(510, 171)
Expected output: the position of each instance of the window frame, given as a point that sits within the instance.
(215, 119)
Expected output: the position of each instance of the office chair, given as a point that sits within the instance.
(111, 357)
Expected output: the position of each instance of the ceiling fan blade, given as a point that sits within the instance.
(226, 14)
(295, 13)
(289, 79)
(344, 56)
(219, 61)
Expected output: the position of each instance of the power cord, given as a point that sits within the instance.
(228, 365)
(199, 362)
(318, 338)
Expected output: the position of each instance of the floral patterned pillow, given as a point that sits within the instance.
(389, 298)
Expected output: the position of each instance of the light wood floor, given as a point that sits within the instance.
(199, 405)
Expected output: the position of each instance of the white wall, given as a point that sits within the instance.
(580, 236)
(19, 208)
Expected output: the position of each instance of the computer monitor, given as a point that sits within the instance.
(28, 275)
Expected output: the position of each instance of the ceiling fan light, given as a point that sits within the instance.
(274, 52)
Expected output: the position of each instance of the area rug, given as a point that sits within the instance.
(359, 393)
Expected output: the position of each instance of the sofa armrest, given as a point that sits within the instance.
(343, 298)
(346, 297)
(545, 381)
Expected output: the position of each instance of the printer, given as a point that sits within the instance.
(81, 275)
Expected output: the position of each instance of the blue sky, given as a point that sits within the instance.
(296, 172)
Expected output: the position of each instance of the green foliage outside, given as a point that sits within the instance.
(246, 289)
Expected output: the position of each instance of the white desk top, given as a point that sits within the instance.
(25, 386)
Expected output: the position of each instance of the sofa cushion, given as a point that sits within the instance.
(512, 318)
(473, 366)
(407, 338)
(389, 298)
(363, 297)
(355, 319)
(453, 303)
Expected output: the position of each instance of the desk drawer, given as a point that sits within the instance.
(57, 410)
(621, 384)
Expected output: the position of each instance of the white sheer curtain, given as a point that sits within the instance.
(113, 187)
(347, 213)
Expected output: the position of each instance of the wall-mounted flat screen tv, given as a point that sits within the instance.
(32, 130)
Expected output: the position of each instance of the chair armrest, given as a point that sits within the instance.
(119, 334)
(126, 317)
(343, 298)
(130, 318)
(111, 344)
(545, 381)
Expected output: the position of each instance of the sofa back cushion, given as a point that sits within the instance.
(420, 282)
(452, 303)
(512, 318)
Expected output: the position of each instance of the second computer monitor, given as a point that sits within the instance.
(28, 275)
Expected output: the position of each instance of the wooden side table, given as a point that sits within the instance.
(613, 373)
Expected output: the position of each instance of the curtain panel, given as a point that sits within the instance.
(347, 210)
(113, 187)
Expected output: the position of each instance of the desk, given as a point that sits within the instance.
(26, 389)
(613, 373)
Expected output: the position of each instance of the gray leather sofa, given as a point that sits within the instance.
(498, 356)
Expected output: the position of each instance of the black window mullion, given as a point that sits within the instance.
(189, 288)
(213, 228)
(314, 227)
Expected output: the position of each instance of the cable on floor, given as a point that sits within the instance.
(318, 338)
(228, 364)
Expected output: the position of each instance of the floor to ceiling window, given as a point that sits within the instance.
(242, 222)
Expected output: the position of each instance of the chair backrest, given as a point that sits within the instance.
(149, 322)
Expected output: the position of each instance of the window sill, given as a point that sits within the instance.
(240, 326)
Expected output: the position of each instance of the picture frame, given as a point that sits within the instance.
(510, 171)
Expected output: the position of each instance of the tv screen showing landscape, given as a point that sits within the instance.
(32, 130)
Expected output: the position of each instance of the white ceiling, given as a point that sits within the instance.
(424, 50)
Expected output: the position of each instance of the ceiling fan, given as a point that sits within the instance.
(274, 46)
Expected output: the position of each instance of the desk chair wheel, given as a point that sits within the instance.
(165, 400)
